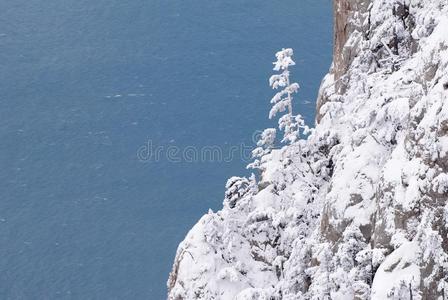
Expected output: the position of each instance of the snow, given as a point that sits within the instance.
(399, 266)
(357, 208)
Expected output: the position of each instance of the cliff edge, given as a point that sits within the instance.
(359, 208)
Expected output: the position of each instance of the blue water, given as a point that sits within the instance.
(85, 84)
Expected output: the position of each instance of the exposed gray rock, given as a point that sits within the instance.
(359, 208)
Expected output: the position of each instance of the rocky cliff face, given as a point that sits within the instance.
(359, 208)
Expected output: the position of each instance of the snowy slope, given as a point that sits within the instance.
(358, 209)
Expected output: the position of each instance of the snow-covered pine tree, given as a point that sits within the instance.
(237, 187)
(282, 101)
(350, 277)
(265, 144)
(431, 245)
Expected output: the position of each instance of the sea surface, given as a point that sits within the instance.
(90, 91)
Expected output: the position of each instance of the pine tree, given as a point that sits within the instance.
(282, 101)
(265, 144)
(237, 187)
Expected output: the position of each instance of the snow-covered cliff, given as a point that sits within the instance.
(358, 209)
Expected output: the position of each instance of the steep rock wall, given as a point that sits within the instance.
(357, 209)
